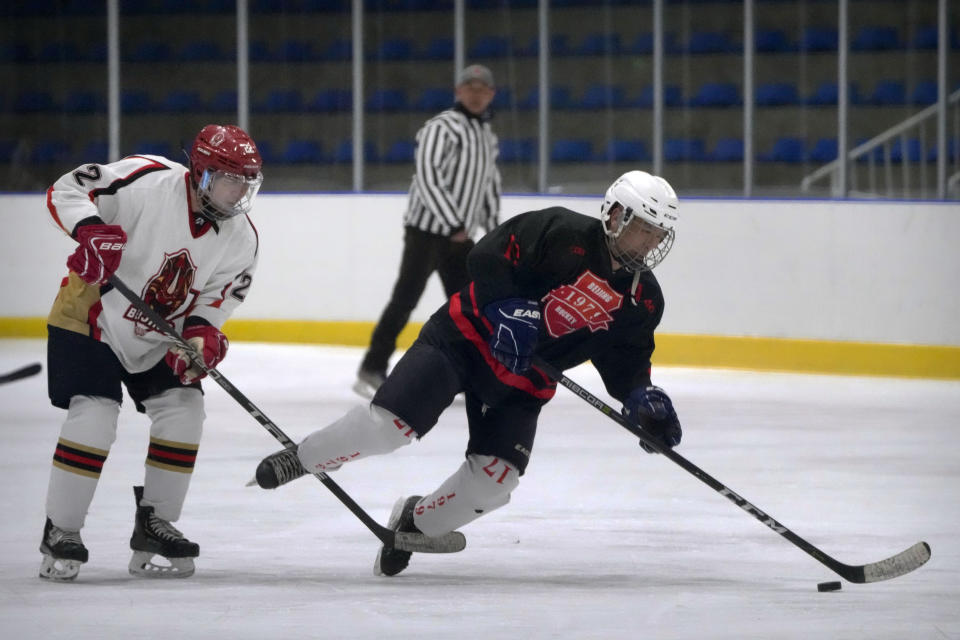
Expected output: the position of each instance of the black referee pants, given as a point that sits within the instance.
(423, 253)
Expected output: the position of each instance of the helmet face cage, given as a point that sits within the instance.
(637, 209)
(225, 167)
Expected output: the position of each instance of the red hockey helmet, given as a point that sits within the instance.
(225, 167)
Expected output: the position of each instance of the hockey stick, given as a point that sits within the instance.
(897, 565)
(448, 543)
(22, 372)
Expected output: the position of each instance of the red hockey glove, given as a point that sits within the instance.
(98, 256)
(208, 341)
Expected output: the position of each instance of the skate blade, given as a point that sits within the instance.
(142, 565)
(447, 543)
(58, 569)
(251, 483)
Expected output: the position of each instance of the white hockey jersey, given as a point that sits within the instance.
(179, 262)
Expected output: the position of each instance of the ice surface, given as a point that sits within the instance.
(600, 541)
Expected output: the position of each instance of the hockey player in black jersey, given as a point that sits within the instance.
(554, 284)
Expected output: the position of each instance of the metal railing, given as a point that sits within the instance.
(894, 146)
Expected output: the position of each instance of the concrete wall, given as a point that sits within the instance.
(839, 271)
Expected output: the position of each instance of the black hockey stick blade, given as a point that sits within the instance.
(22, 372)
(448, 543)
(897, 565)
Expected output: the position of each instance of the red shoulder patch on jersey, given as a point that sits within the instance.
(588, 302)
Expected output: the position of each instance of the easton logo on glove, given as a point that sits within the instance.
(516, 324)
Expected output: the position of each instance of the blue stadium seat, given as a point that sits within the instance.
(281, 101)
(711, 42)
(330, 100)
(344, 152)
(823, 151)
(785, 149)
(338, 50)
(296, 51)
(95, 151)
(952, 149)
(387, 100)
(34, 102)
(642, 44)
(51, 151)
(599, 44)
(926, 37)
(59, 52)
(777, 94)
(180, 101)
(202, 50)
(914, 150)
(225, 100)
(399, 152)
(888, 92)
(434, 99)
(870, 38)
(716, 94)
(490, 47)
(672, 97)
(624, 151)
(684, 150)
(826, 94)
(150, 51)
(16, 52)
(439, 49)
(153, 148)
(603, 96)
(267, 152)
(8, 149)
(819, 39)
(727, 150)
(84, 101)
(302, 152)
(560, 98)
(135, 101)
(259, 51)
(565, 150)
(395, 49)
(559, 46)
(502, 99)
(772, 41)
(521, 150)
(924, 93)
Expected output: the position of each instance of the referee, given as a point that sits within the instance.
(455, 192)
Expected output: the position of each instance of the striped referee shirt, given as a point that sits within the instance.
(456, 184)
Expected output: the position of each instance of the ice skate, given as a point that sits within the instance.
(279, 468)
(63, 553)
(391, 561)
(153, 536)
(368, 382)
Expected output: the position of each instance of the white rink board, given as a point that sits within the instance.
(826, 270)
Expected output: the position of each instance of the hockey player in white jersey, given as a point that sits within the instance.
(182, 238)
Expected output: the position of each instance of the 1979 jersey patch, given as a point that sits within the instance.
(588, 302)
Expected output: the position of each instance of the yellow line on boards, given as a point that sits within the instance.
(735, 352)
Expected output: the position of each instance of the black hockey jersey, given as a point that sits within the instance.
(589, 312)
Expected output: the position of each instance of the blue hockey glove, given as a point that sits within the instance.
(651, 409)
(516, 323)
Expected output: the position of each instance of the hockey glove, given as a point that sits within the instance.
(516, 323)
(651, 409)
(98, 256)
(206, 340)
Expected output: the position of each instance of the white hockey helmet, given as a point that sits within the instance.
(639, 216)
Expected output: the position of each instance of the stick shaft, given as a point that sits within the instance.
(385, 535)
(896, 565)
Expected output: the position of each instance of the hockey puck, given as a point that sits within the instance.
(829, 586)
